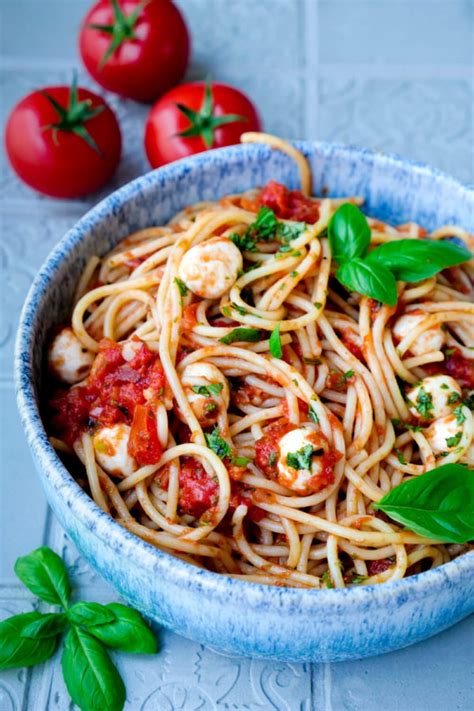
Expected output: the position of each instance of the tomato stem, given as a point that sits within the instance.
(121, 30)
(203, 122)
(73, 117)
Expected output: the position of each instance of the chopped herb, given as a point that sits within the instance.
(400, 456)
(293, 274)
(244, 242)
(287, 232)
(183, 289)
(453, 397)
(302, 458)
(312, 361)
(208, 390)
(313, 416)
(424, 403)
(454, 441)
(318, 304)
(357, 579)
(449, 351)
(275, 343)
(444, 386)
(272, 459)
(287, 251)
(266, 223)
(469, 401)
(249, 335)
(326, 578)
(459, 414)
(240, 461)
(348, 374)
(406, 426)
(218, 445)
(226, 311)
(210, 406)
(240, 309)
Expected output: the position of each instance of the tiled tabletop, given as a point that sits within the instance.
(396, 75)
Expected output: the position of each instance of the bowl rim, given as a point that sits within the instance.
(112, 534)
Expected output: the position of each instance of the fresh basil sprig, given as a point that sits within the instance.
(375, 274)
(218, 444)
(438, 504)
(267, 227)
(91, 677)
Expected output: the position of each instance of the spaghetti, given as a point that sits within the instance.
(230, 403)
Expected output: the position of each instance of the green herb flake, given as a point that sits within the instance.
(313, 416)
(217, 444)
(275, 343)
(424, 403)
(348, 374)
(326, 578)
(459, 414)
(453, 397)
(406, 426)
(400, 456)
(358, 579)
(246, 335)
(272, 459)
(454, 441)
(240, 309)
(208, 390)
(302, 458)
(312, 361)
(240, 461)
(183, 289)
(444, 386)
(318, 304)
(293, 274)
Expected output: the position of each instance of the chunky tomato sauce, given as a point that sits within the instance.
(198, 491)
(374, 567)
(267, 450)
(455, 365)
(114, 392)
(286, 204)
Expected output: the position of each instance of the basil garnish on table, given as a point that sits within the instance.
(438, 504)
(375, 274)
(91, 677)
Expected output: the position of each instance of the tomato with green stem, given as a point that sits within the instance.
(194, 117)
(136, 48)
(63, 141)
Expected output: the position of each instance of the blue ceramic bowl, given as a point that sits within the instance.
(230, 615)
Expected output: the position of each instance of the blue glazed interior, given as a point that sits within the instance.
(281, 623)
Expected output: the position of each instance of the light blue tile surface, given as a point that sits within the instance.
(396, 75)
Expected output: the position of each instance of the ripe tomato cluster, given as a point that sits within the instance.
(65, 141)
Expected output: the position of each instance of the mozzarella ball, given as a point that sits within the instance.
(304, 480)
(430, 340)
(434, 397)
(441, 430)
(68, 360)
(205, 404)
(111, 450)
(210, 269)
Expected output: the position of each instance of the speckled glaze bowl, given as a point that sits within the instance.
(230, 615)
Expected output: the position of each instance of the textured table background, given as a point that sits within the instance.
(396, 75)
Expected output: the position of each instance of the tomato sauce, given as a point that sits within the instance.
(189, 319)
(112, 393)
(455, 365)
(198, 491)
(286, 204)
(374, 567)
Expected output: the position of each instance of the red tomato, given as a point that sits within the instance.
(144, 444)
(63, 141)
(193, 117)
(136, 49)
(286, 204)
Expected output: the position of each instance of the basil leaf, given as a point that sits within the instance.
(90, 613)
(438, 504)
(218, 445)
(371, 280)
(417, 259)
(302, 458)
(128, 632)
(265, 225)
(249, 335)
(92, 680)
(275, 343)
(244, 242)
(18, 651)
(348, 233)
(44, 573)
(48, 625)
